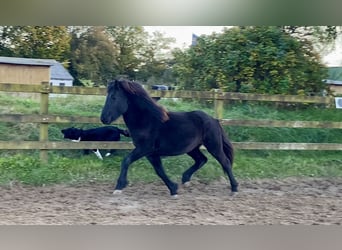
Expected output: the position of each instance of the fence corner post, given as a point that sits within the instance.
(44, 109)
(218, 104)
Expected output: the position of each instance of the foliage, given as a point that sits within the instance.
(93, 56)
(322, 37)
(156, 66)
(246, 59)
(130, 42)
(141, 56)
(46, 42)
(251, 59)
(102, 53)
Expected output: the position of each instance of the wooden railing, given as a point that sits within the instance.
(44, 118)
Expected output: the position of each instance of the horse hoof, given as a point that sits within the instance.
(117, 192)
(175, 196)
(233, 194)
(187, 184)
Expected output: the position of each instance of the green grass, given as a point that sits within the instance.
(77, 105)
(70, 166)
(26, 168)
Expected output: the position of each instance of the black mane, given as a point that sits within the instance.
(136, 91)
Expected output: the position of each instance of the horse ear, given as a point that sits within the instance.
(129, 87)
(117, 85)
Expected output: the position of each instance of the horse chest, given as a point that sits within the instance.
(137, 122)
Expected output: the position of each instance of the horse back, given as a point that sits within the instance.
(196, 119)
(183, 132)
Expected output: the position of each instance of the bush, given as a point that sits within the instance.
(253, 60)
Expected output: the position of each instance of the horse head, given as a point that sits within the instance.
(116, 103)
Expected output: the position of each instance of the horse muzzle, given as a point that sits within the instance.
(105, 120)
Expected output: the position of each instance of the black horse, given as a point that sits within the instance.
(156, 132)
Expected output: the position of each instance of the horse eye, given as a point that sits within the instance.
(113, 97)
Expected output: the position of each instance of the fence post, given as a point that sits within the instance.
(218, 104)
(44, 109)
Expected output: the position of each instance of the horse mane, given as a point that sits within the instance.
(144, 100)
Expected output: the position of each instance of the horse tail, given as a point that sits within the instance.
(227, 146)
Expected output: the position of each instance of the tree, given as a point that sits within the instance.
(100, 54)
(129, 42)
(156, 67)
(5, 42)
(251, 59)
(46, 42)
(93, 56)
(322, 37)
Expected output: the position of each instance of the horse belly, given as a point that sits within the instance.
(177, 145)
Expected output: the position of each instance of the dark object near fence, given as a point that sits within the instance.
(161, 87)
(156, 132)
(107, 133)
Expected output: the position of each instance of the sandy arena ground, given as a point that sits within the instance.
(290, 201)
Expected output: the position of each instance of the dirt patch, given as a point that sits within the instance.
(290, 201)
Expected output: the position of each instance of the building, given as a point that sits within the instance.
(33, 71)
(24, 70)
(335, 86)
(59, 76)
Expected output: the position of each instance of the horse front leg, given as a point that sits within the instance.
(158, 167)
(122, 182)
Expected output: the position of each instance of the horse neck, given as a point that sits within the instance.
(144, 112)
(137, 117)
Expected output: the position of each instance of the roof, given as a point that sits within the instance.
(57, 70)
(333, 82)
(24, 61)
(335, 73)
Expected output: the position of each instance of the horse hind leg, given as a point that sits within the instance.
(200, 159)
(218, 153)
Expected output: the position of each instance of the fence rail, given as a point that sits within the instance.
(50, 145)
(17, 118)
(213, 95)
(44, 118)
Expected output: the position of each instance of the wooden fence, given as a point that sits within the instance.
(44, 118)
